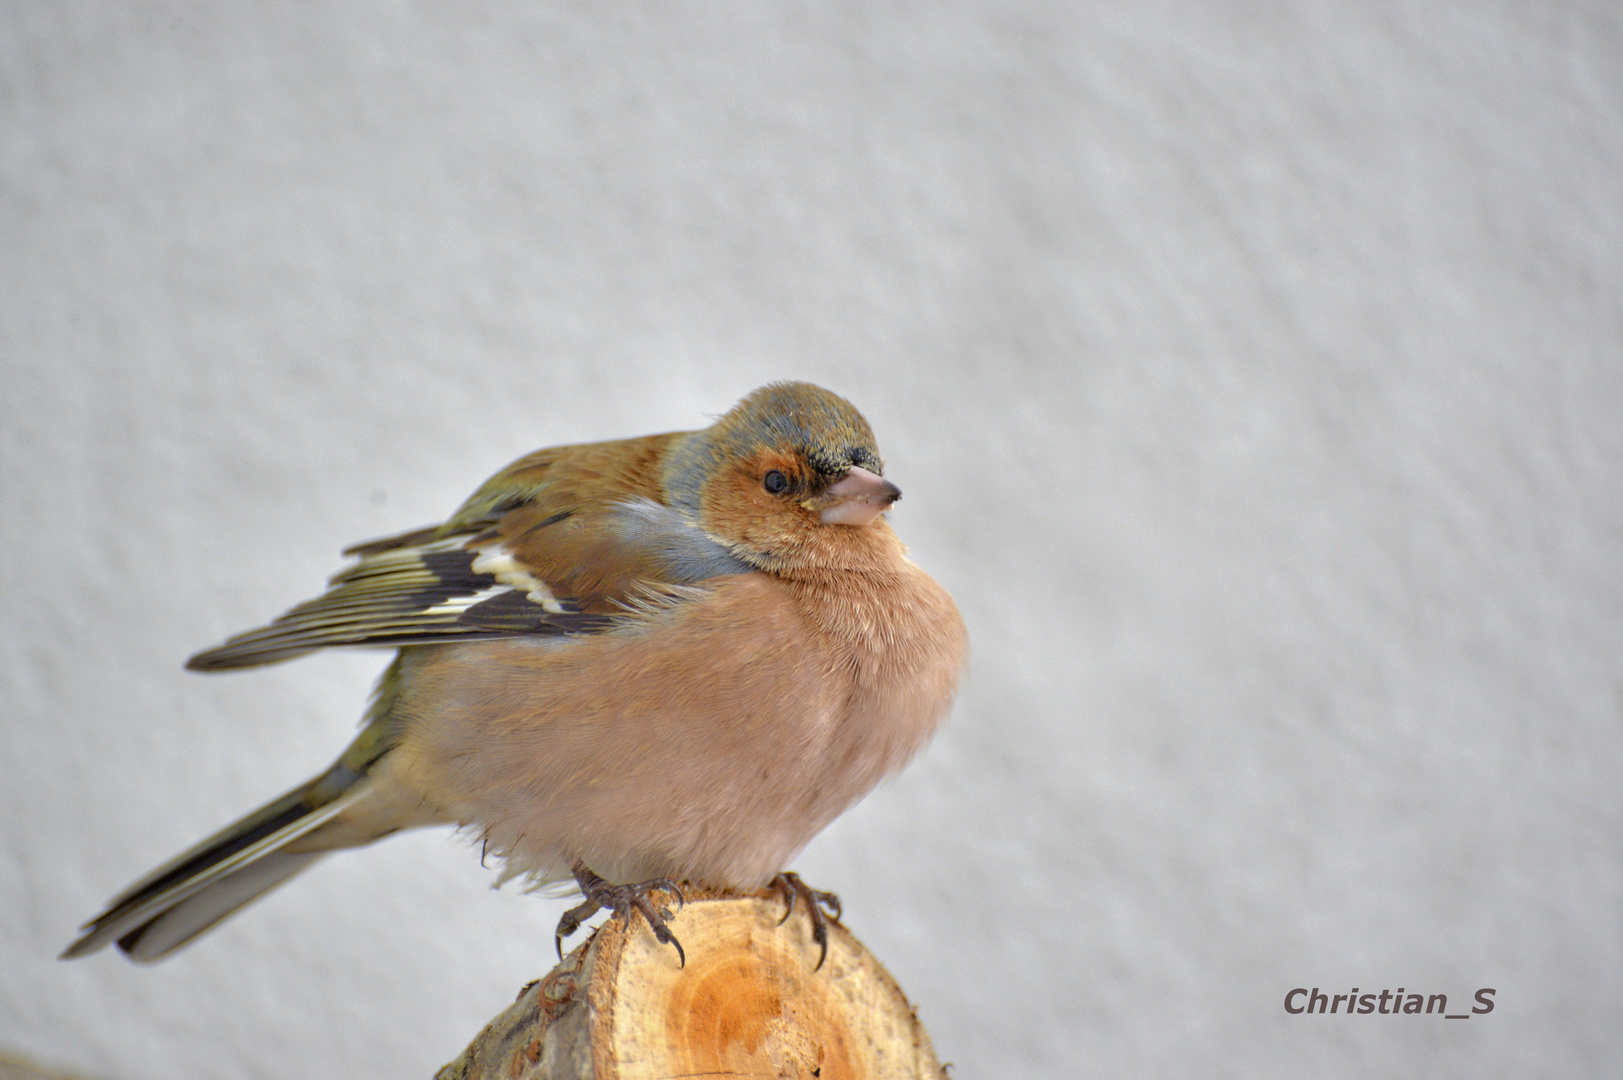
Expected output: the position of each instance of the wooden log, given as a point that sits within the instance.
(748, 1004)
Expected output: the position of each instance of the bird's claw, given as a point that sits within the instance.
(622, 900)
(790, 885)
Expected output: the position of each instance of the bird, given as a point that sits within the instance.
(621, 666)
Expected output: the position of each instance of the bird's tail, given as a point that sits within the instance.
(238, 864)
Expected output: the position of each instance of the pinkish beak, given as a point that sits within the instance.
(858, 498)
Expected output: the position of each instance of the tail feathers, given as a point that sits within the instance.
(241, 862)
(181, 922)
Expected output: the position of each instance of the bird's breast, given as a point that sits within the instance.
(902, 642)
(710, 741)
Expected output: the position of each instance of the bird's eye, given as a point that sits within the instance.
(775, 482)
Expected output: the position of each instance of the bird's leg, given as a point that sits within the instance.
(622, 900)
(791, 887)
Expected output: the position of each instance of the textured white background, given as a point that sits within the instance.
(1254, 373)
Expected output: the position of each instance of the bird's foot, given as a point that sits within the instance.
(792, 887)
(622, 900)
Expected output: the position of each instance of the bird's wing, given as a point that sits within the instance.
(513, 568)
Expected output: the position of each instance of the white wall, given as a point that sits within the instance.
(1253, 374)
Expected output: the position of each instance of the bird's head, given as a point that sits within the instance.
(790, 476)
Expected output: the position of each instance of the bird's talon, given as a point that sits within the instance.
(793, 888)
(622, 900)
(781, 883)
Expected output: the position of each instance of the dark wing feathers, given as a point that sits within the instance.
(513, 577)
(400, 596)
(512, 613)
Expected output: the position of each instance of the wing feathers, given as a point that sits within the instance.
(521, 577)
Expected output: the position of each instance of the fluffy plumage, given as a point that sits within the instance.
(677, 656)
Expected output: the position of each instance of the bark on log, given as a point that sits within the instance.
(748, 1004)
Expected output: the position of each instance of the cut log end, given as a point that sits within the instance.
(748, 1004)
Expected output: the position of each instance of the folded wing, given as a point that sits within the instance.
(529, 569)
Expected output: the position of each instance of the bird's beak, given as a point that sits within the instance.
(857, 498)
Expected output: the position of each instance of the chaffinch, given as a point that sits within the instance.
(675, 657)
